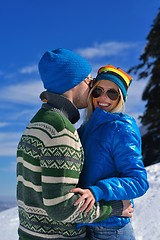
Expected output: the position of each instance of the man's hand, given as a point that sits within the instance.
(87, 196)
(127, 209)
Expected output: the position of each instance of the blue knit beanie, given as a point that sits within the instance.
(62, 69)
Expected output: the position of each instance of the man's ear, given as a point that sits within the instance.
(92, 83)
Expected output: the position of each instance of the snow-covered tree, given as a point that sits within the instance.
(149, 68)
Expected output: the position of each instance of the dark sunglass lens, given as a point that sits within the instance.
(97, 92)
(112, 94)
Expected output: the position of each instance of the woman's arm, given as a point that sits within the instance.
(132, 177)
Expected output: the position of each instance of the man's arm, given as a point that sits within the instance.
(119, 208)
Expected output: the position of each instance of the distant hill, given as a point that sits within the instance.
(7, 203)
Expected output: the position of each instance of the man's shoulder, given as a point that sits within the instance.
(54, 118)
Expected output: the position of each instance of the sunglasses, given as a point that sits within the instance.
(111, 93)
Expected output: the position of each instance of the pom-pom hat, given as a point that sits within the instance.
(116, 75)
(62, 69)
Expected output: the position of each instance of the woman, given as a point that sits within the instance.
(113, 168)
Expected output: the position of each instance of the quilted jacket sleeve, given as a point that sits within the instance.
(126, 153)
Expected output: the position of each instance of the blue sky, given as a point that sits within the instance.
(102, 31)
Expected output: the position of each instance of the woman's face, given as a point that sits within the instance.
(103, 101)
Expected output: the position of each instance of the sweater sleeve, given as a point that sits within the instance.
(61, 164)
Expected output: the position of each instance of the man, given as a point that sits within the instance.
(50, 155)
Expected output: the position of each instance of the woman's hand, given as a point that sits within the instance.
(86, 196)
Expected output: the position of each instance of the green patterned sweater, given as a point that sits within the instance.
(49, 161)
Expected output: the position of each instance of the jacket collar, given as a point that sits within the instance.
(100, 117)
(56, 101)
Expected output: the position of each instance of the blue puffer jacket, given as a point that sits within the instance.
(113, 168)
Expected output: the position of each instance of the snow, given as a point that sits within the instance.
(145, 219)
(9, 224)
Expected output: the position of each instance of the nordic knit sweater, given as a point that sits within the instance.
(49, 161)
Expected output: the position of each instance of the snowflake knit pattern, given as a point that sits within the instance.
(49, 161)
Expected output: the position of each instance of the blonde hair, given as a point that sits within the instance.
(119, 108)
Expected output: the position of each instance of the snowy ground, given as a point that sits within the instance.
(146, 218)
(9, 224)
